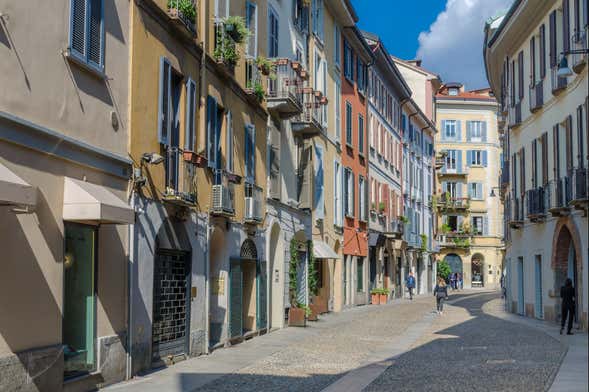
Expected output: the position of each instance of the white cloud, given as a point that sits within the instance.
(453, 45)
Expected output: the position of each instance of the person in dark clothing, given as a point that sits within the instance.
(441, 294)
(567, 293)
(410, 284)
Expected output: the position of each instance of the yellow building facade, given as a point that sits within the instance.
(470, 216)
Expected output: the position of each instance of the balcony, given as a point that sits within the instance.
(537, 200)
(536, 96)
(183, 15)
(225, 51)
(454, 171)
(505, 174)
(310, 122)
(413, 240)
(445, 203)
(222, 195)
(515, 115)
(560, 194)
(180, 178)
(454, 240)
(253, 204)
(440, 161)
(253, 81)
(578, 191)
(558, 83)
(396, 228)
(579, 42)
(285, 93)
(516, 213)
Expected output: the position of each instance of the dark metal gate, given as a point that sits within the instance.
(171, 284)
(262, 297)
(235, 299)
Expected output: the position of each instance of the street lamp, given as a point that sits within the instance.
(563, 67)
(492, 194)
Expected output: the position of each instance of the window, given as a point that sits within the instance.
(360, 134)
(337, 54)
(318, 18)
(190, 114)
(250, 154)
(475, 190)
(361, 76)
(362, 203)
(251, 22)
(452, 189)
(349, 141)
(453, 91)
(477, 225)
(450, 129)
(338, 120)
(476, 131)
(87, 32)
(301, 16)
(349, 192)
(212, 139)
(221, 9)
(337, 190)
(273, 33)
(451, 159)
(476, 158)
(360, 274)
(348, 62)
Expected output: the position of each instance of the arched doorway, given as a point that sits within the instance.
(477, 262)
(454, 261)
(276, 257)
(566, 262)
(247, 291)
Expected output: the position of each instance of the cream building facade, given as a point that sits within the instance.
(470, 218)
(545, 124)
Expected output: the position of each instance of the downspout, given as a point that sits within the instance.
(207, 285)
(130, 288)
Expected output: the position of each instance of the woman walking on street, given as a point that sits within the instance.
(567, 293)
(441, 294)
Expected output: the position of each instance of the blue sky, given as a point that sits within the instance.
(446, 34)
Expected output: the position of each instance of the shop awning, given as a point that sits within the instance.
(14, 190)
(322, 251)
(86, 202)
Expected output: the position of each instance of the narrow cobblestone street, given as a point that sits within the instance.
(401, 346)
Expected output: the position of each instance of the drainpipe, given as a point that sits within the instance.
(130, 287)
(207, 285)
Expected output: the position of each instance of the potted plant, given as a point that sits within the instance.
(200, 160)
(383, 296)
(423, 242)
(404, 219)
(259, 91)
(304, 74)
(375, 296)
(295, 65)
(381, 207)
(313, 313)
(183, 9)
(445, 228)
(296, 317)
(188, 156)
(236, 28)
(265, 65)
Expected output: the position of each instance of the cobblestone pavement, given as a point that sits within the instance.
(468, 350)
(320, 359)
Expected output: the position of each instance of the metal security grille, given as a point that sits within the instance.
(170, 304)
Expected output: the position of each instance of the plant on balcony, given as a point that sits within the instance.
(465, 228)
(423, 242)
(185, 7)
(266, 66)
(226, 51)
(445, 228)
(404, 219)
(236, 28)
(257, 90)
(444, 269)
(461, 242)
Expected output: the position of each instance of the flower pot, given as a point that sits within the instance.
(189, 156)
(296, 317)
(281, 61)
(374, 299)
(323, 100)
(318, 94)
(295, 65)
(304, 75)
(383, 299)
(314, 316)
(200, 160)
(233, 178)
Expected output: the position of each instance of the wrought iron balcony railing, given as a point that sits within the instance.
(180, 179)
(396, 227)
(516, 213)
(183, 15)
(579, 191)
(310, 122)
(285, 92)
(579, 42)
(537, 201)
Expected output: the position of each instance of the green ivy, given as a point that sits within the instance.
(292, 272)
(423, 242)
(313, 275)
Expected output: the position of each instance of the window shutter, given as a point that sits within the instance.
(95, 32)
(319, 204)
(484, 131)
(275, 182)
(443, 129)
(250, 153)
(164, 119)
(190, 113)
(520, 76)
(486, 226)
(305, 178)
(468, 130)
(353, 194)
(533, 60)
(468, 157)
(553, 50)
(514, 174)
(211, 131)
(459, 221)
(534, 164)
(480, 190)
(542, 51)
(580, 137)
(78, 27)
(458, 161)
(569, 143)
(586, 13)
(458, 130)
(566, 25)
(229, 141)
(544, 159)
(459, 186)
(469, 189)
(523, 171)
(484, 153)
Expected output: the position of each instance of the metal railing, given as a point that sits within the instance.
(396, 226)
(288, 83)
(253, 203)
(515, 114)
(579, 184)
(187, 17)
(536, 96)
(445, 202)
(505, 173)
(224, 44)
(413, 240)
(454, 240)
(558, 83)
(579, 42)
(180, 177)
(312, 109)
(222, 195)
(517, 210)
(537, 202)
(253, 77)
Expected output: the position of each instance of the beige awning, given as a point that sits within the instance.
(14, 190)
(86, 202)
(322, 251)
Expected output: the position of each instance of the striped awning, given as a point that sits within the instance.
(322, 251)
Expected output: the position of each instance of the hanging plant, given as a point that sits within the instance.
(226, 51)
(259, 91)
(313, 276)
(292, 273)
(265, 65)
(236, 29)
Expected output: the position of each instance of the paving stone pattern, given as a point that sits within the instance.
(468, 350)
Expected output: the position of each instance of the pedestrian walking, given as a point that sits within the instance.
(567, 293)
(453, 281)
(441, 294)
(461, 281)
(410, 282)
(502, 282)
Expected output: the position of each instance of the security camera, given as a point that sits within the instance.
(153, 158)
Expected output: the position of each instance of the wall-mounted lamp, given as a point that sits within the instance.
(152, 158)
(563, 67)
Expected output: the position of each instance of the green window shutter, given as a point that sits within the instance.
(78, 27)
(164, 102)
(262, 297)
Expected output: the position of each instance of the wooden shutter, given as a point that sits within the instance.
(566, 25)
(520, 75)
(274, 164)
(544, 159)
(458, 161)
(569, 143)
(586, 13)
(534, 164)
(522, 167)
(514, 174)
(469, 157)
(306, 178)
(553, 49)
(95, 32)
(533, 60)
(78, 27)
(577, 15)
(190, 115)
(512, 85)
(468, 130)
(580, 137)
(164, 102)
(486, 225)
(542, 51)
(484, 158)
(555, 148)
(484, 131)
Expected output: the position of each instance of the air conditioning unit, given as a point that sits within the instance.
(250, 212)
(217, 197)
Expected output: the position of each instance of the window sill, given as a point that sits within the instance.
(91, 69)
